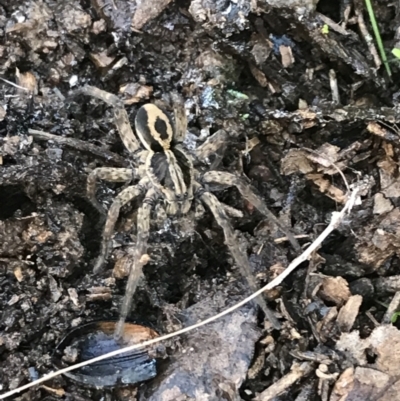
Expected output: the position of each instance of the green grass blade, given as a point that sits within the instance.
(377, 36)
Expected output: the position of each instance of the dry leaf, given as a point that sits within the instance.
(381, 204)
(335, 289)
(327, 188)
(296, 161)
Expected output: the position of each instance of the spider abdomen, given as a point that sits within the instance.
(154, 128)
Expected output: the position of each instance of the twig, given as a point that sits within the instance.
(280, 240)
(276, 389)
(334, 26)
(312, 151)
(14, 84)
(80, 145)
(368, 38)
(345, 9)
(372, 318)
(334, 87)
(377, 36)
(335, 221)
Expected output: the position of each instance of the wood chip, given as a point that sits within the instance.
(348, 313)
(286, 55)
(3, 113)
(101, 60)
(259, 75)
(335, 289)
(18, 274)
(381, 204)
(283, 384)
(146, 11)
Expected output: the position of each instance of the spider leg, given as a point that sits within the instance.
(229, 179)
(108, 174)
(139, 259)
(240, 258)
(121, 119)
(122, 199)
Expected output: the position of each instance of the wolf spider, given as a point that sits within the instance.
(164, 171)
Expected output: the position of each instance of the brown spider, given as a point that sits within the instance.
(164, 171)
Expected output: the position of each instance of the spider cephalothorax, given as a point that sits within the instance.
(163, 170)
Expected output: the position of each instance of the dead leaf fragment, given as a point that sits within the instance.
(296, 161)
(361, 384)
(376, 129)
(18, 274)
(381, 204)
(121, 267)
(259, 75)
(327, 324)
(343, 386)
(2, 113)
(379, 240)
(354, 347)
(326, 187)
(385, 343)
(135, 92)
(26, 80)
(388, 172)
(335, 289)
(101, 60)
(261, 50)
(99, 26)
(349, 312)
(325, 155)
(73, 295)
(146, 11)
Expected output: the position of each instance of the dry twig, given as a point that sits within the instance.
(369, 40)
(334, 87)
(280, 386)
(78, 144)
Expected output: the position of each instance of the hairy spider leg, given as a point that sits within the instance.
(107, 174)
(143, 231)
(228, 179)
(240, 258)
(121, 119)
(125, 196)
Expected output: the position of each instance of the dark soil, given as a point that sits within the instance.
(260, 70)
